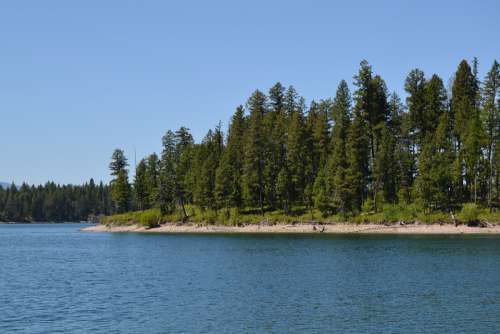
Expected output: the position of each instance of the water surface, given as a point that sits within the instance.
(55, 279)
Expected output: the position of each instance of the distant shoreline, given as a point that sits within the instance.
(300, 229)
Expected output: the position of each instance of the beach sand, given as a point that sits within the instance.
(301, 228)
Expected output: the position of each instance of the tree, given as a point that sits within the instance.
(467, 129)
(385, 168)
(167, 175)
(434, 182)
(275, 125)
(120, 187)
(415, 87)
(405, 157)
(371, 104)
(357, 157)
(141, 185)
(152, 178)
(228, 187)
(338, 163)
(253, 170)
(182, 162)
(491, 119)
(208, 159)
(320, 190)
(318, 134)
(296, 158)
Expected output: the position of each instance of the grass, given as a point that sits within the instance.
(389, 213)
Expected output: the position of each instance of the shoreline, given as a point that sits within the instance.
(435, 229)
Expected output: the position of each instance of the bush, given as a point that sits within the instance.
(367, 206)
(392, 213)
(469, 213)
(150, 218)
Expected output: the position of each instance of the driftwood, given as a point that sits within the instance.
(479, 223)
(320, 230)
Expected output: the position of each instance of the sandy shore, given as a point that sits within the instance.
(302, 228)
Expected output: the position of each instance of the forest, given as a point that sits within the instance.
(357, 153)
(360, 153)
(55, 203)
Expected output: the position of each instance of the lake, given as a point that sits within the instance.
(56, 279)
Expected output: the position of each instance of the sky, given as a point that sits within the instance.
(81, 78)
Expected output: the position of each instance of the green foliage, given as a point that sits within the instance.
(120, 187)
(469, 213)
(151, 218)
(321, 199)
(52, 202)
(281, 161)
(338, 162)
(141, 186)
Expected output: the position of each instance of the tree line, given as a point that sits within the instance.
(52, 202)
(357, 151)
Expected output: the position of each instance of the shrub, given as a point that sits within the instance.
(469, 213)
(150, 218)
(392, 213)
(367, 206)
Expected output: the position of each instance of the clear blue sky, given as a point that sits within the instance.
(80, 78)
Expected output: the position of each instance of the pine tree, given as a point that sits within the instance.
(254, 148)
(275, 125)
(228, 186)
(283, 189)
(167, 175)
(385, 168)
(491, 119)
(183, 160)
(120, 187)
(404, 165)
(152, 178)
(318, 134)
(317, 145)
(141, 186)
(296, 158)
(468, 129)
(357, 157)
(338, 163)
(434, 183)
(435, 104)
(320, 190)
(371, 104)
(415, 87)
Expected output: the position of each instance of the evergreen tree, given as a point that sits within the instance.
(338, 163)
(167, 175)
(385, 168)
(152, 178)
(183, 159)
(228, 186)
(141, 186)
(357, 157)
(318, 134)
(468, 130)
(274, 130)
(415, 87)
(435, 179)
(371, 104)
(296, 158)
(120, 187)
(491, 119)
(253, 168)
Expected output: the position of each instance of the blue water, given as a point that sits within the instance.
(55, 279)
